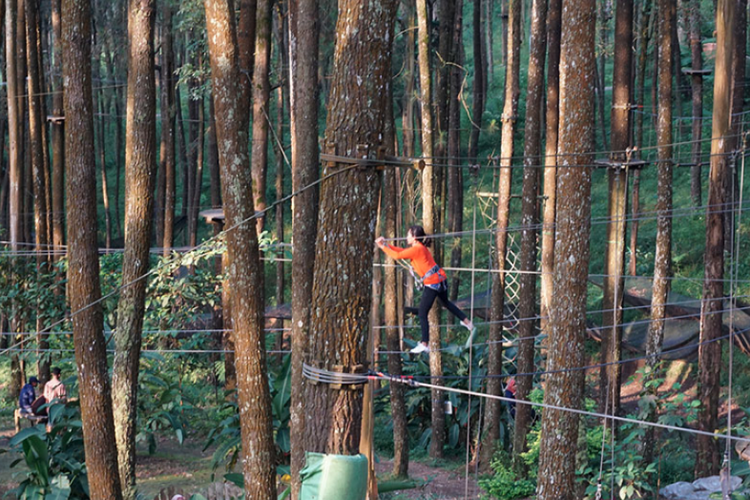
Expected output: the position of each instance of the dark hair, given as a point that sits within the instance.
(56, 371)
(33, 380)
(418, 233)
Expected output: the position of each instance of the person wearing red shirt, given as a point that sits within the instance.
(433, 278)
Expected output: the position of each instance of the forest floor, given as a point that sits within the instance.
(187, 468)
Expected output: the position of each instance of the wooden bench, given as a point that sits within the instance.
(33, 419)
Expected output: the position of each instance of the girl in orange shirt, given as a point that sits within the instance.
(433, 278)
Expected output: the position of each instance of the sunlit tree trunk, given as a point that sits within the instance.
(261, 116)
(610, 375)
(83, 285)
(15, 162)
(707, 457)
(58, 131)
(303, 89)
(165, 185)
(430, 216)
(343, 257)
(557, 461)
(663, 253)
(554, 13)
(495, 349)
(244, 269)
(140, 170)
(529, 220)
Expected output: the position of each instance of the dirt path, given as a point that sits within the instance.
(441, 484)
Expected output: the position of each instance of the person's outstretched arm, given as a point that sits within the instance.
(395, 252)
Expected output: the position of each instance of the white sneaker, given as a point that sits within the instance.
(420, 347)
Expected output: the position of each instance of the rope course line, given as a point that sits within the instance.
(322, 376)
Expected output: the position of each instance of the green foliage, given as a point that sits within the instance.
(226, 435)
(418, 400)
(55, 459)
(505, 484)
(161, 405)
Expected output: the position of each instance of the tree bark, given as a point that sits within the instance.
(58, 133)
(303, 89)
(166, 183)
(140, 163)
(611, 374)
(244, 270)
(663, 253)
(261, 93)
(195, 204)
(246, 43)
(430, 218)
(343, 259)
(707, 457)
(550, 162)
(455, 174)
(494, 407)
(480, 80)
(36, 153)
(696, 82)
(568, 314)
(83, 285)
(529, 220)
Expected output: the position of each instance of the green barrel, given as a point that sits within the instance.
(334, 477)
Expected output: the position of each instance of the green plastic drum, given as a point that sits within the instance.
(334, 477)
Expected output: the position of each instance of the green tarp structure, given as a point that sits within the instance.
(334, 477)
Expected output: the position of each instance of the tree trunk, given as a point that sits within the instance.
(261, 93)
(568, 314)
(707, 457)
(430, 218)
(166, 183)
(36, 153)
(303, 90)
(554, 14)
(244, 270)
(646, 20)
(446, 13)
(246, 43)
(455, 174)
(393, 341)
(696, 83)
(644, 37)
(480, 80)
(493, 409)
(409, 127)
(15, 162)
(103, 166)
(83, 285)
(611, 374)
(58, 133)
(663, 253)
(529, 220)
(343, 259)
(282, 102)
(195, 204)
(140, 162)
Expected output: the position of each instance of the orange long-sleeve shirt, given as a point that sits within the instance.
(420, 258)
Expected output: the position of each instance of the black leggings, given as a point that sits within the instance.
(428, 298)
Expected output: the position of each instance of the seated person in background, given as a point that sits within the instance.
(510, 392)
(28, 395)
(55, 389)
